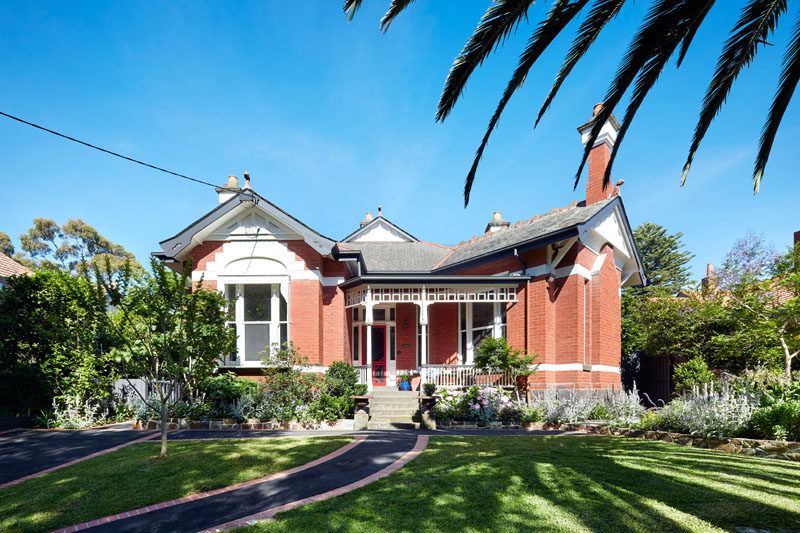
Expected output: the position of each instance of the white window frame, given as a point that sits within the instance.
(278, 286)
(466, 354)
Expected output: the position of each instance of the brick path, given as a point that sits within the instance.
(366, 459)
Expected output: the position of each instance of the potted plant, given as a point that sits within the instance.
(405, 380)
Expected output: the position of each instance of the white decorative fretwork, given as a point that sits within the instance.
(428, 295)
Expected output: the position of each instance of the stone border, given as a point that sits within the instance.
(421, 444)
(771, 449)
(472, 424)
(344, 424)
(358, 439)
(78, 460)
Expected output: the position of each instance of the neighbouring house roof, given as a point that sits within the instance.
(379, 257)
(175, 247)
(380, 220)
(9, 267)
(556, 224)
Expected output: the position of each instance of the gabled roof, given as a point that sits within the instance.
(9, 267)
(556, 224)
(381, 257)
(380, 220)
(177, 246)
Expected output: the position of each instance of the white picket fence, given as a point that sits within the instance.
(457, 376)
(124, 388)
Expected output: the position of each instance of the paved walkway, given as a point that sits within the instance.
(375, 456)
(27, 453)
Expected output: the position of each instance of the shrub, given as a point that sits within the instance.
(225, 389)
(289, 390)
(692, 373)
(598, 412)
(429, 389)
(494, 355)
(340, 380)
(565, 406)
(483, 405)
(73, 413)
(624, 407)
(781, 420)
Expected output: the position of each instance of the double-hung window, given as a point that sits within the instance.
(261, 319)
(476, 321)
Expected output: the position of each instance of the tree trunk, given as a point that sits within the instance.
(163, 428)
(787, 358)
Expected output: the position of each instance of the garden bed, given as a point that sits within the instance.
(253, 424)
(771, 449)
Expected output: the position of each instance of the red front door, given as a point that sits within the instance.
(378, 354)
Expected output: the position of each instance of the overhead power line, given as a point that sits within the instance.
(115, 154)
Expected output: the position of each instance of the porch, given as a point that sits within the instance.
(429, 330)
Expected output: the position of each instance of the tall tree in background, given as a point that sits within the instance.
(664, 257)
(667, 31)
(6, 246)
(75, 247)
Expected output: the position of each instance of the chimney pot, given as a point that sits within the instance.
(229, 190)
(379, 211)
(597, 108)
(246, 180)
(367, 219)
(497, 223)
(710, 270)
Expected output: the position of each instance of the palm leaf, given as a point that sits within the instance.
(562, 12)
(757, 21)
(500, 19)
(395, 8)
(600, 14)
(790, 74)
(350, 7)
(686, 23)
(695, 25)
(664, 26)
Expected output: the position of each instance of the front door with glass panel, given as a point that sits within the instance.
(378, 355)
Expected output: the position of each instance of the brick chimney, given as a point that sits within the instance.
(599, 156)
(367, 219)
(710, 277)
(796, 237)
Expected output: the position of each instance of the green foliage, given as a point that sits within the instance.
(341, 379)
(226, 388)
(404, 377)
(691, 374)
(495, 355)
(74, 247)
(598, 412)
(288, 386)
(6, 246)
(664, 257)
(779, 420)
(429, 389)
(53, 339)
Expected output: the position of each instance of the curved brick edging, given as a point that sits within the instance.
(421, 444)
(78, 460)
(771, 449)
(358, 439)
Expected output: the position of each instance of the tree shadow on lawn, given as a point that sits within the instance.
(562, 483)
(135, 476)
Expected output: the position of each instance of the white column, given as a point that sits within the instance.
(423, 349)
(368, 322)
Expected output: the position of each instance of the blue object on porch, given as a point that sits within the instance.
(405, 385)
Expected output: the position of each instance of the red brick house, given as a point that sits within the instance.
(386, 301)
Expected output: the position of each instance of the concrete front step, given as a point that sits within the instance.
(392, 425)
(382, 411)
(393, 404)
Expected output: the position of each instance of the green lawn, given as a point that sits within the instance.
(135, 476)
(592, 483)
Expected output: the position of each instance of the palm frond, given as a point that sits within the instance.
(664, 26)
(395, 8)
(502, 17)
(695, 25)
(562, 12)
(758, 19)
(350, 7)
(790, 74)
(686, 23)
(600, 14)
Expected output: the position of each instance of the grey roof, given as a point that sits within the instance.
(534, 229)
(398, 256)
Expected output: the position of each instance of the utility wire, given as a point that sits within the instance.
(12, 117)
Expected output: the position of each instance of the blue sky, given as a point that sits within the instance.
(332, 118)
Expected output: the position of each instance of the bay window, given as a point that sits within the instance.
(261, 319)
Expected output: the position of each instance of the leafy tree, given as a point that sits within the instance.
(74, 247)
(667, 30)
(52, 341)
(752, 258)
(770, 307)
(692, 373)
(168, 335)
(496, 356)
(6, 246)
(664, 257)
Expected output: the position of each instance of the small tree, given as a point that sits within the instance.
(692, 373)
(284, 379)
(494, 355)
(169, 335)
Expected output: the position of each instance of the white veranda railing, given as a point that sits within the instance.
(364, 373)
(463, 376)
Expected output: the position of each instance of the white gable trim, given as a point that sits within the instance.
(380, 232)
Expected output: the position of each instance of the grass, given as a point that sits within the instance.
(592, 483)
(135, 476)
